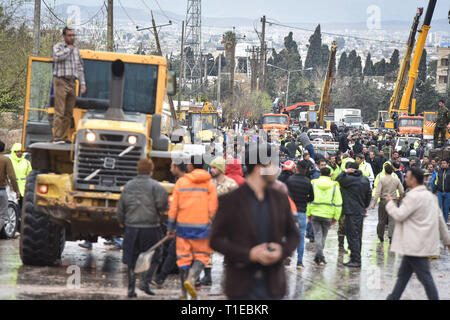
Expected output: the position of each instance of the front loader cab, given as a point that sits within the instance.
(74, 188)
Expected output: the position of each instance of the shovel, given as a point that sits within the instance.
(143, 261)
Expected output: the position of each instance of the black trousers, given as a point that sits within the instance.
(353, 229)
(421, 266)
(439, 132)
(170, 261)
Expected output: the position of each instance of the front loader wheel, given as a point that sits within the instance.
(41, 241)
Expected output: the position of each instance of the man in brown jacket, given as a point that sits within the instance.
(7, 176)
(255, 230)
(388, 185)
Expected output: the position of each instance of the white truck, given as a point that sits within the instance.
(349, 117)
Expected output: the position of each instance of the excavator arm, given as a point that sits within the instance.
(324, 106)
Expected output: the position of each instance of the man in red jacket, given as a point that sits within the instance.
(233, 170)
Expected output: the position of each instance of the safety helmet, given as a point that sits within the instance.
(289, 165)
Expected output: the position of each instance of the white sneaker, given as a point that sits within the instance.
(58, 142)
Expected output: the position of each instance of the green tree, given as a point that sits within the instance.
(423, 67)
(343, 65)
(314, 54)
(369, 69)
(391, 69)
(325, 52)
(380, 67)
(354, 64)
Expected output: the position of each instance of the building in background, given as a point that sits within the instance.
(442, 69)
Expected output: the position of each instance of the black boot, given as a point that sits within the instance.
(131, 283)
(341, 245)
(183, 276)
(145, 282)
(206, 280)
(194, 272)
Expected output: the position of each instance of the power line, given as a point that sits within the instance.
(126, 13)
(163, 12)
(95, 15)
(65, 22)
(52, 13)
(332, 34)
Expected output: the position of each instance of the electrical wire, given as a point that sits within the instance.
(52, 13)
(163, 12)
(276, 23)
(78, 25)
(126, 13)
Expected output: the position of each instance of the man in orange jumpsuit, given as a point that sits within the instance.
(194, 204)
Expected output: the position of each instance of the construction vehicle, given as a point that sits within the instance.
(74, 188)
(410, 125)
(324, 106)
(389, 123)
(203, 124)
(407, 122)
(350, 117)
(429, 125)
(275, 121)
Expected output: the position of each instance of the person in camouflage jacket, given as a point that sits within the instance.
(442, 121)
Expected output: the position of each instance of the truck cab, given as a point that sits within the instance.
(274, 121)
(410, 125)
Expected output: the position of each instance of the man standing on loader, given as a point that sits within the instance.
(442, 121)
(67, 66)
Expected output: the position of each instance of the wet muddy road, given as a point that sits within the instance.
(102, 275)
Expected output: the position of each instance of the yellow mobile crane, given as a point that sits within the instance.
(324, 106)
(389, 122)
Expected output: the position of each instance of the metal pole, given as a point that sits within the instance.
(110, 27)
(158, 47)
(219, 78)
(206, 75)
(181, 68)
(287, 90)
(262, 56)
(37, 27)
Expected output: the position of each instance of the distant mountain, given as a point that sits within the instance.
(141, 17)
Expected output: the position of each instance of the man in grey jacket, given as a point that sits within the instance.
(140, 205)
(306, 143)
(419, 227)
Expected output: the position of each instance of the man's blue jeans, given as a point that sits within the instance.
(444, 203)
(302, 229)
(310, 149)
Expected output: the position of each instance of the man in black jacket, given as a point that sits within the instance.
(292, 148)
(343, 141)
(356, 197)
(301, 192)
(442, 187)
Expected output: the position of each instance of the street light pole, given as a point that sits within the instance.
(287, 89)
(289, 78)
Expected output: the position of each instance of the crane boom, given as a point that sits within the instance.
(413, 70)
(324, 106)
(405, 63)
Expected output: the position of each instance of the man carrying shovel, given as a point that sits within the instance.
(140, 205)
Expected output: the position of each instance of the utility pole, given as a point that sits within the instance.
(219, 73)
(181, 67)
(37, 27)
(110, 27)
(262, 55)
(172, 108)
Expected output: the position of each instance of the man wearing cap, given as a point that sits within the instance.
(223, 183)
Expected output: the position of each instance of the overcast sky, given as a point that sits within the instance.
(322, 11)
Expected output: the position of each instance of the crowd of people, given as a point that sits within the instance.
(257, 211)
